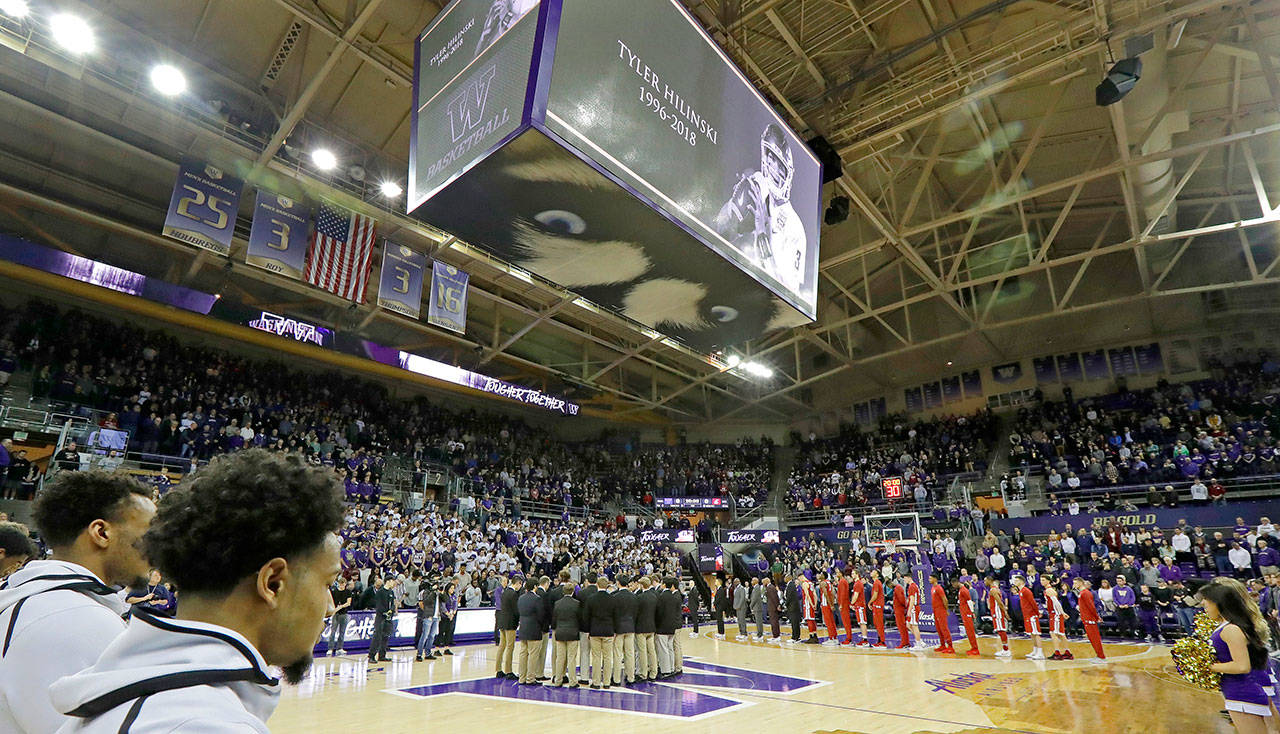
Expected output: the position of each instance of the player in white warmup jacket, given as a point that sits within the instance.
(58, 615)
(251, 542)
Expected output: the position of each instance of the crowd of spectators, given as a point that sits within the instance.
(1206, 430)
(472, 547)
(845, 471)
(182, 400)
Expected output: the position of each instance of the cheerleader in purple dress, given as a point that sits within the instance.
(1240, 646)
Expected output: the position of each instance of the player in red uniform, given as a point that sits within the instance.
(967, 611)
(810, 598)
(877, 607)
(914, 602)
(1089, 616)
(1030, 616)
(900, 611)
(999, 616)
(938, 596)
(859, 601)
(1057, 624)
(827, 598)
(842, 596)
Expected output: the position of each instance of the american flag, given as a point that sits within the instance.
(341, 252)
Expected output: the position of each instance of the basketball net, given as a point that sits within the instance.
(890, 546)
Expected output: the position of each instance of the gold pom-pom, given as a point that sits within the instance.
(1193, 655)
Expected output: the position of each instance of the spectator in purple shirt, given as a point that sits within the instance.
(1169, 572)
(1268, 559)
(1126, 617)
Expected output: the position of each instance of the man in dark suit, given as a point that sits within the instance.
(552, 594)
(564, 625)
(508, 619)
(668, 621)
(646, 626)
(772, 607)
(720, 606)
(584, 629)
(695, 601)
(599, 614)
(529, 632)
(791, 602)
(384, 610)
(624, 629)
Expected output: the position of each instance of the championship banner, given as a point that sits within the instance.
(202, 210)
(448, 307)
(1046, 370)
(951, 389)
(1095, 365)
(278, 237)
(400, 285)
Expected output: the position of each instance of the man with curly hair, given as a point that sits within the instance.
(58, 615)
(251, 541)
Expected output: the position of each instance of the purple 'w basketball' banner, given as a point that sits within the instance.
(400, 285)
(278, 238)
(448, 307)
(202, 210)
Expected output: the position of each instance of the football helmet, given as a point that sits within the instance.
(776, 162)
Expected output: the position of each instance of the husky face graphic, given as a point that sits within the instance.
(539, 207)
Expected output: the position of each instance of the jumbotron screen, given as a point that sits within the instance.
(641, 88)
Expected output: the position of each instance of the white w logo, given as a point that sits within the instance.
(466, 110)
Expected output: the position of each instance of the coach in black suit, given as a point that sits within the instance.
(624, 629)
(646, 626)
(564, 627)
(599, 614)
(791, 600)
(530, 633)
(584, 629)
(508, 617)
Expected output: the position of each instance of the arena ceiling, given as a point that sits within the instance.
(996, 212)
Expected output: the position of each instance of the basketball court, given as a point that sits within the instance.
(732, 686)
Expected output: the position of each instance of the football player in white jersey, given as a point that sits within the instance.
(759, 219)
(502, 15)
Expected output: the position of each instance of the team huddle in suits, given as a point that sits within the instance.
(607, 632)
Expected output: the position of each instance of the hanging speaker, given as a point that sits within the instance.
(1121, 79)
(832, 166)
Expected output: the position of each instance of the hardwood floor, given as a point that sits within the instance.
(753, 687)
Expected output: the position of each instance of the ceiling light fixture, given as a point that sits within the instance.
(324, 159)
(391, 189)
(168, 80)
(14, 8)
(72, 33)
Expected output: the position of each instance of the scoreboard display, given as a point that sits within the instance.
(892, 487)
(611, 147)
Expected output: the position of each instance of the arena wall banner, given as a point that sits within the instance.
(751, 536)
(471, 625)
(1210, 516)
(400, 282)
(830, 535)
(202, 210)
(448, 307)
(665, 535)
(637, 167)
(278, 237)
(57, 262)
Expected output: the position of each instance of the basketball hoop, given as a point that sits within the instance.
(890, 546)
